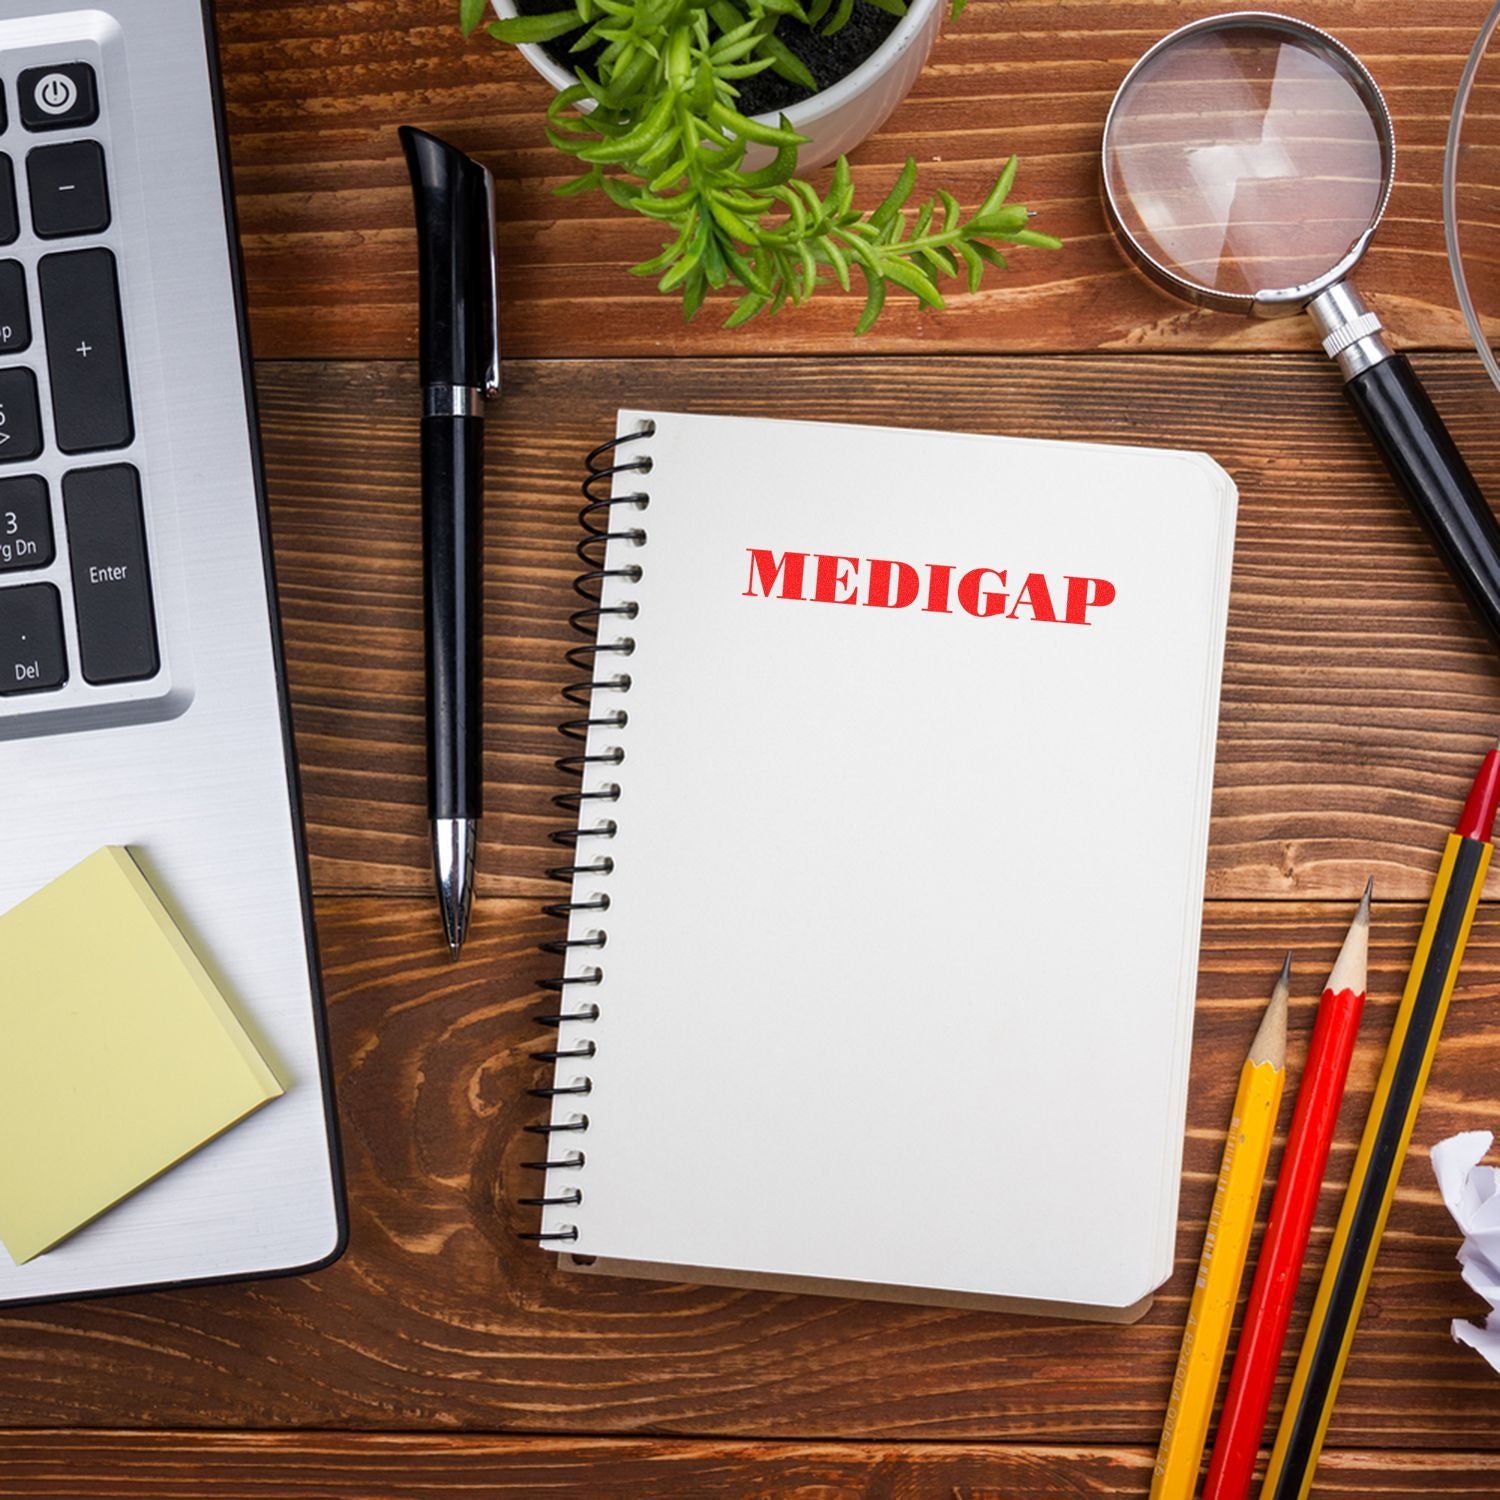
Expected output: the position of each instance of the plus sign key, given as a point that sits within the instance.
(57, 96)
(32, 656)
(85, 350)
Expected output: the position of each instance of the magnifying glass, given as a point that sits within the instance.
(1247, 161)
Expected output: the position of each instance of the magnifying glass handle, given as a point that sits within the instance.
(1425, 462)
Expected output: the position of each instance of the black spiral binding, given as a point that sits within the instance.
(596, 518)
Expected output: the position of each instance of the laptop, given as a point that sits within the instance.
(142, 692)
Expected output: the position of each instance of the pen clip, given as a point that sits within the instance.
(492, 371)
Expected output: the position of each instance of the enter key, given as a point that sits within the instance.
(111, 574)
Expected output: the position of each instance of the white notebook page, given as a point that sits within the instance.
(904, 915)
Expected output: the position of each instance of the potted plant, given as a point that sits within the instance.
(696, 113)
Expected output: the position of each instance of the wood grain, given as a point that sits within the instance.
(388, 1466)
(438, 1318)
(1358, 695)
(315, 92)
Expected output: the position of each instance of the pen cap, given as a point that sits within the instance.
(455, 249)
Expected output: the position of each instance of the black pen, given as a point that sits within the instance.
(460, 371)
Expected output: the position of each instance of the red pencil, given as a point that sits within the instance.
(1269, 1309)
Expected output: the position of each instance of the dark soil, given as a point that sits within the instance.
(827, 58)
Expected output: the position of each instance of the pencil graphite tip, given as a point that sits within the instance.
(1352, 964)
(1269, 1045)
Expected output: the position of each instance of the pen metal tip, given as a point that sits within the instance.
(453, 843)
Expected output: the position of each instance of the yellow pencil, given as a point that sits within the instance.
(1226, 1246)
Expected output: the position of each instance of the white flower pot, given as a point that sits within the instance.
(839, 118)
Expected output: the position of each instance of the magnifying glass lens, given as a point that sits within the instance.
(1246, 159)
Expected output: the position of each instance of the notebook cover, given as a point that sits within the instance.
(907, 859)
(118, 1054)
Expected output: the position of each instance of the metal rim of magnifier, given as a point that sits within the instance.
(1271, 302)
(1450, 196)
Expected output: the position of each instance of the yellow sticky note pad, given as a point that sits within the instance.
(119, 1056)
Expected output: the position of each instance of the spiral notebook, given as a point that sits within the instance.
(888, 870)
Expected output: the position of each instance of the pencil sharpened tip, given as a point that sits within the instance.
(1269, 1044)
(1364, 901)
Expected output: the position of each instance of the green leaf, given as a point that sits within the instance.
(957, 9)
(534, 28)
(809, 269)
(786, 62)
(904, 274)
(840, 18)
(746, 308)
(691, 263)
(668, 255)
(693, 293)
(743, 203)
(941, 260)
(895, 200)
(777, 171)
(731, 223)
(840, 193)
(839, 262)
(635, 141)
(713, 261)
(566, 99)
(669, 176)
(1009, 219)
(747, 129)
(874, 301)
(620, 192)
(470, 14)
(749, 275)
(1001, 190)
(1037, 240)
(576, 185)
(970, 257)
(989, 254)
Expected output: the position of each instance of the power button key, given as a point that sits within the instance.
(58, 96)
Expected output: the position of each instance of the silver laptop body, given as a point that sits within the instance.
(142, 696)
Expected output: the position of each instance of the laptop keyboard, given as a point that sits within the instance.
(60, 314)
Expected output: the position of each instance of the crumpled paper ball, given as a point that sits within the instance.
(1472, 1193)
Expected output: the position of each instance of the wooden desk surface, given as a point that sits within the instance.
(440, 1356)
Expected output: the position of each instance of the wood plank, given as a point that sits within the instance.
(314, 95)
(388, 1466)
(1358, 695)
(439, 1318)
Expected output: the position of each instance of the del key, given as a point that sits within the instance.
(85, 350)
(111, 577)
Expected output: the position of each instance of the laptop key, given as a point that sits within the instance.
(85, 350)
(111, 576)
(20, 417)
(10, 218)
(68, 191)
(32, 655)
(25, 523)
(15, 315)
(58, 95)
